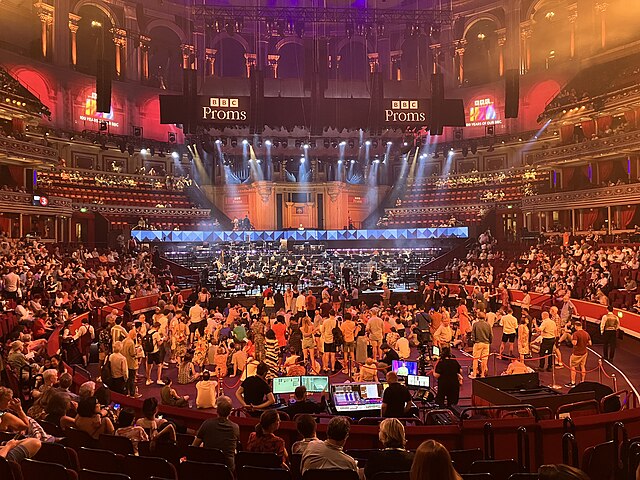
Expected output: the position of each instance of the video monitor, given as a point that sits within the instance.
(354, 397)
(284, 385)
(418, 381)
(315, 383)
(404, 368)
(435, 351)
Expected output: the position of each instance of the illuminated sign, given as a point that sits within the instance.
(225, 110)
(483, 112)
(91, 114)
(405, 112)
(40, 200)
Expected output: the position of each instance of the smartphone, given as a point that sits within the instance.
(116, 406)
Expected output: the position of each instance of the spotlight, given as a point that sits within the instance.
(175, 155)
(343, 143)
(340, 161)
(144, 151)
(245, 142)
(368, 143)
(218, 141)
(305, 146)
(302, 160)
(353, 161)
(96, 24)
(451, 149)
(389, 143)
(267, 143)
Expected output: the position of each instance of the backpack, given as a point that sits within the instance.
(147, 342)
(338, 337)
(105, 339)
(105, 371)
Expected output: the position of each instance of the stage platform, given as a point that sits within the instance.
(378, 235)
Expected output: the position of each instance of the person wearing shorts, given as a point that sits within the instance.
(375, 328)
(348, 329)
(326, 330)
(578, 360)
(153, 357)
(509, 328)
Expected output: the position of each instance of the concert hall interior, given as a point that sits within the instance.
(403, 233)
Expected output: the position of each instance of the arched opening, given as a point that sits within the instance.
(481, 54)
(165, 59)
(94, 40)
(416, 58)
(230, 61)
(291, 62)
(354, 64)
(550, 39)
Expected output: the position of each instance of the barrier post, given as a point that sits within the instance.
(554, 385)
(495, 368)
(600, 370)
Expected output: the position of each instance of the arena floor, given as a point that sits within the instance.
(626, 370)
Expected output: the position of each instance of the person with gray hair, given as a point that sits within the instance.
(119, 369)
(220, 432)
(329, 454)
(49, 380)
(394, 457)
(87, 389)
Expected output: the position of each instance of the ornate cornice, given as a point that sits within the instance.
(587, 149)
(451, 209)
(600, 197)
(148, 211)
(27, 150)
(18, 202)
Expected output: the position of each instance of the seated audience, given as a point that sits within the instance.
(329, 454)
(394, 457)
(306, 426)
(263, 439)
(220, 432)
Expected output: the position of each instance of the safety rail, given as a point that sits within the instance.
(509, 408)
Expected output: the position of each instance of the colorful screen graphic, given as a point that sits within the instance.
(90, 113)
(483, 112)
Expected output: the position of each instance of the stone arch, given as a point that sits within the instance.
(484, 16)
(357, 39)
(159, 22)
(104, 7)
(238, 38)
(288, 40)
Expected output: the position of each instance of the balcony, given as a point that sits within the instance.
(18, 202)
(626, 194)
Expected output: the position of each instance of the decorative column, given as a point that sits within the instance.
(45, 13)
(526, 32)
(210, 61)
(572, 17)
(459, 53)
(272, 62)
(189, 61)
(73, 27)
(396, 58)
(120, 41)
(436, 54)
(373, 62)
(144, 44)
(502, 40)
(251, 61)
(601, 8)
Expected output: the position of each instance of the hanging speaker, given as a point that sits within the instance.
(103, 86)
(437, 104)
(512, 93)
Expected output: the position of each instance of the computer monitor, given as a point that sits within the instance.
(285, 385)
(354, 397)
(404, 367)
(315, 383)
(435, 351)
(418, 381)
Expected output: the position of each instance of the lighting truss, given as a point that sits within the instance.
(314, 15)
